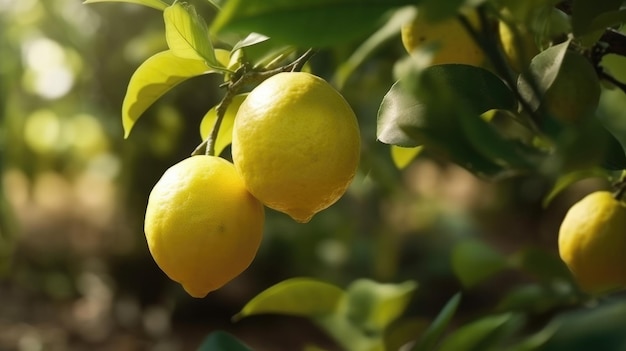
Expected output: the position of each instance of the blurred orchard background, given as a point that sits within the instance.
(76, 273)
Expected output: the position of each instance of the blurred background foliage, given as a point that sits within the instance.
(76, 273)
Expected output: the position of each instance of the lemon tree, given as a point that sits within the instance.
(508, 90)
(202, 226)
(296, 144)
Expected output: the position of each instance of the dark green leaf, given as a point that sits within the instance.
(480, 335)
(155, 4)
(305, 23)
(222, 341)
(403, 331)
(584, 12)
(429, 339)
(570, 178)
(474, 261)
(545, 266)
(297, 296)
(390, 30)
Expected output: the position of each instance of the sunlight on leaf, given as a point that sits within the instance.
(156, 76)
(187, 34)
(297, 297)
(155, 4)
(402, 156)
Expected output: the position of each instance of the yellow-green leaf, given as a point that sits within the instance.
(187, 35)
(402, 156)
(297, 297)
(154, 77)
(155, 4)
(225, 134)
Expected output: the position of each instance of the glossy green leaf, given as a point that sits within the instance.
(402, 156)
(432, 335)
(477, 336)
(431, 103)
(568, 179)
(474, 261)
(187, 34)
(537, 340)
(532, 298)
(297, 296)
(372, 305)
(545, 68)
(222, 341)
(155, 77)
(304, 23)
(155, 4)
(225, 134)
(390, 30)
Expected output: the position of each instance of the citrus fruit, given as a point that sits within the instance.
(592, 242)
(453, 43)
(296, 144)
(202, 226)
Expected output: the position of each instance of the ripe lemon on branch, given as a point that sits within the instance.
(202, 226)
(296, 144)
(592, 242)
(453, 42)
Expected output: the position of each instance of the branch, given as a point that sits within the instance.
(242, 77)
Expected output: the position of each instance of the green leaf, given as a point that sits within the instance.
(154, 77)
(474, 261)
(429, 339)
(403, 331)
(373, 306)
(297, 296)
(398, 108)
(225, 134)
(545, 266)
(187, 35)
(584, 12)
(545, 67)
(155, 4)
(390, 30)
(402, 156)
(222, 341)
(568, 179)
(304, 23)
(477, 336)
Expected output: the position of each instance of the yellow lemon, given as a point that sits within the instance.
(296, 144)
(453, 43)
(202, 226)
(592, 242)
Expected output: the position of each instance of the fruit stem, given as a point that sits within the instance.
(620, 186)
(244, 76)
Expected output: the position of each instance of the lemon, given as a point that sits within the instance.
(453, 43)
(202, 226)
(296, 144)
(592, 242)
